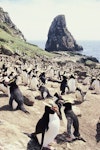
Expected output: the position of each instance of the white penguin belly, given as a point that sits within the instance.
(45, 94)
(14, 105)
(54, 125)
(53, 130)
(71, 85)
(97, 87)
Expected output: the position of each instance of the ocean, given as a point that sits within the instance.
(90, 48)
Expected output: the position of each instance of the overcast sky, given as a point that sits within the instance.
(34, 17)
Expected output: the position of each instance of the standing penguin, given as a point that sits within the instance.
(95, 85)
(63, 85)
(72, 120)
(15, 94)
(59, 101)
(47, 127)
(44, 92)
(92, 83)
(80, 95)
(42, 77)
(34, 83)
(24, 76)
(72, 84)
(98, 131)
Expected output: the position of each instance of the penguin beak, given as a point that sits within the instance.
(54, 108)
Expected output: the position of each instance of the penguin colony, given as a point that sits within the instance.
(36, 76)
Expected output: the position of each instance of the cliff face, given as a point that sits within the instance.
(6, 24)
(12, 40)
(59, 38)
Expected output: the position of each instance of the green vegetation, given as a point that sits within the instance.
(12, 42)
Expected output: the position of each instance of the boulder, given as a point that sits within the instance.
(59, 38)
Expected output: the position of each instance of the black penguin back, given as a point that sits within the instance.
(42, 124)
(68, 106)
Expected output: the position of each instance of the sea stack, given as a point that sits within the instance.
(59, 38)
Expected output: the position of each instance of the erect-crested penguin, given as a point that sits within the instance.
(72, 84)
(47, 127)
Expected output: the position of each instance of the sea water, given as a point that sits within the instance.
(90, 48)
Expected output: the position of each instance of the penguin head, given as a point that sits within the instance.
(12, 82)
(72, 76)
(41, 88)
(93, 79)
(59, 100)
(68, 106)
(49, 110)
(78, 89)
(25, 70)
(56, 95)
(64, 77)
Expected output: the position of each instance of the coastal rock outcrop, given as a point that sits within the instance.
(6, 23)
(59, 38)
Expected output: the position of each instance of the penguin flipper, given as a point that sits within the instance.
(29, 135)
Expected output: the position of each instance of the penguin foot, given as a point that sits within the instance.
(48, 148)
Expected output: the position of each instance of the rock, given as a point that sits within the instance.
(59, 38)
(28, 100)
(90, 63)
(5, 50)
(93, 59)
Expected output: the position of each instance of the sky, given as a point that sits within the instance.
(34, 17)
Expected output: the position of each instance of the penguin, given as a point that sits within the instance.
(72, 120)
(95, 85)
(57, 97)
(47, 127)
(34, 83)
(71, 84)
(24, 76)
(44, 92)
(59, 101)
(98, 131)
(80, 95)
(16, 95)
(42, 77)
(63, 85)
(92, 83)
